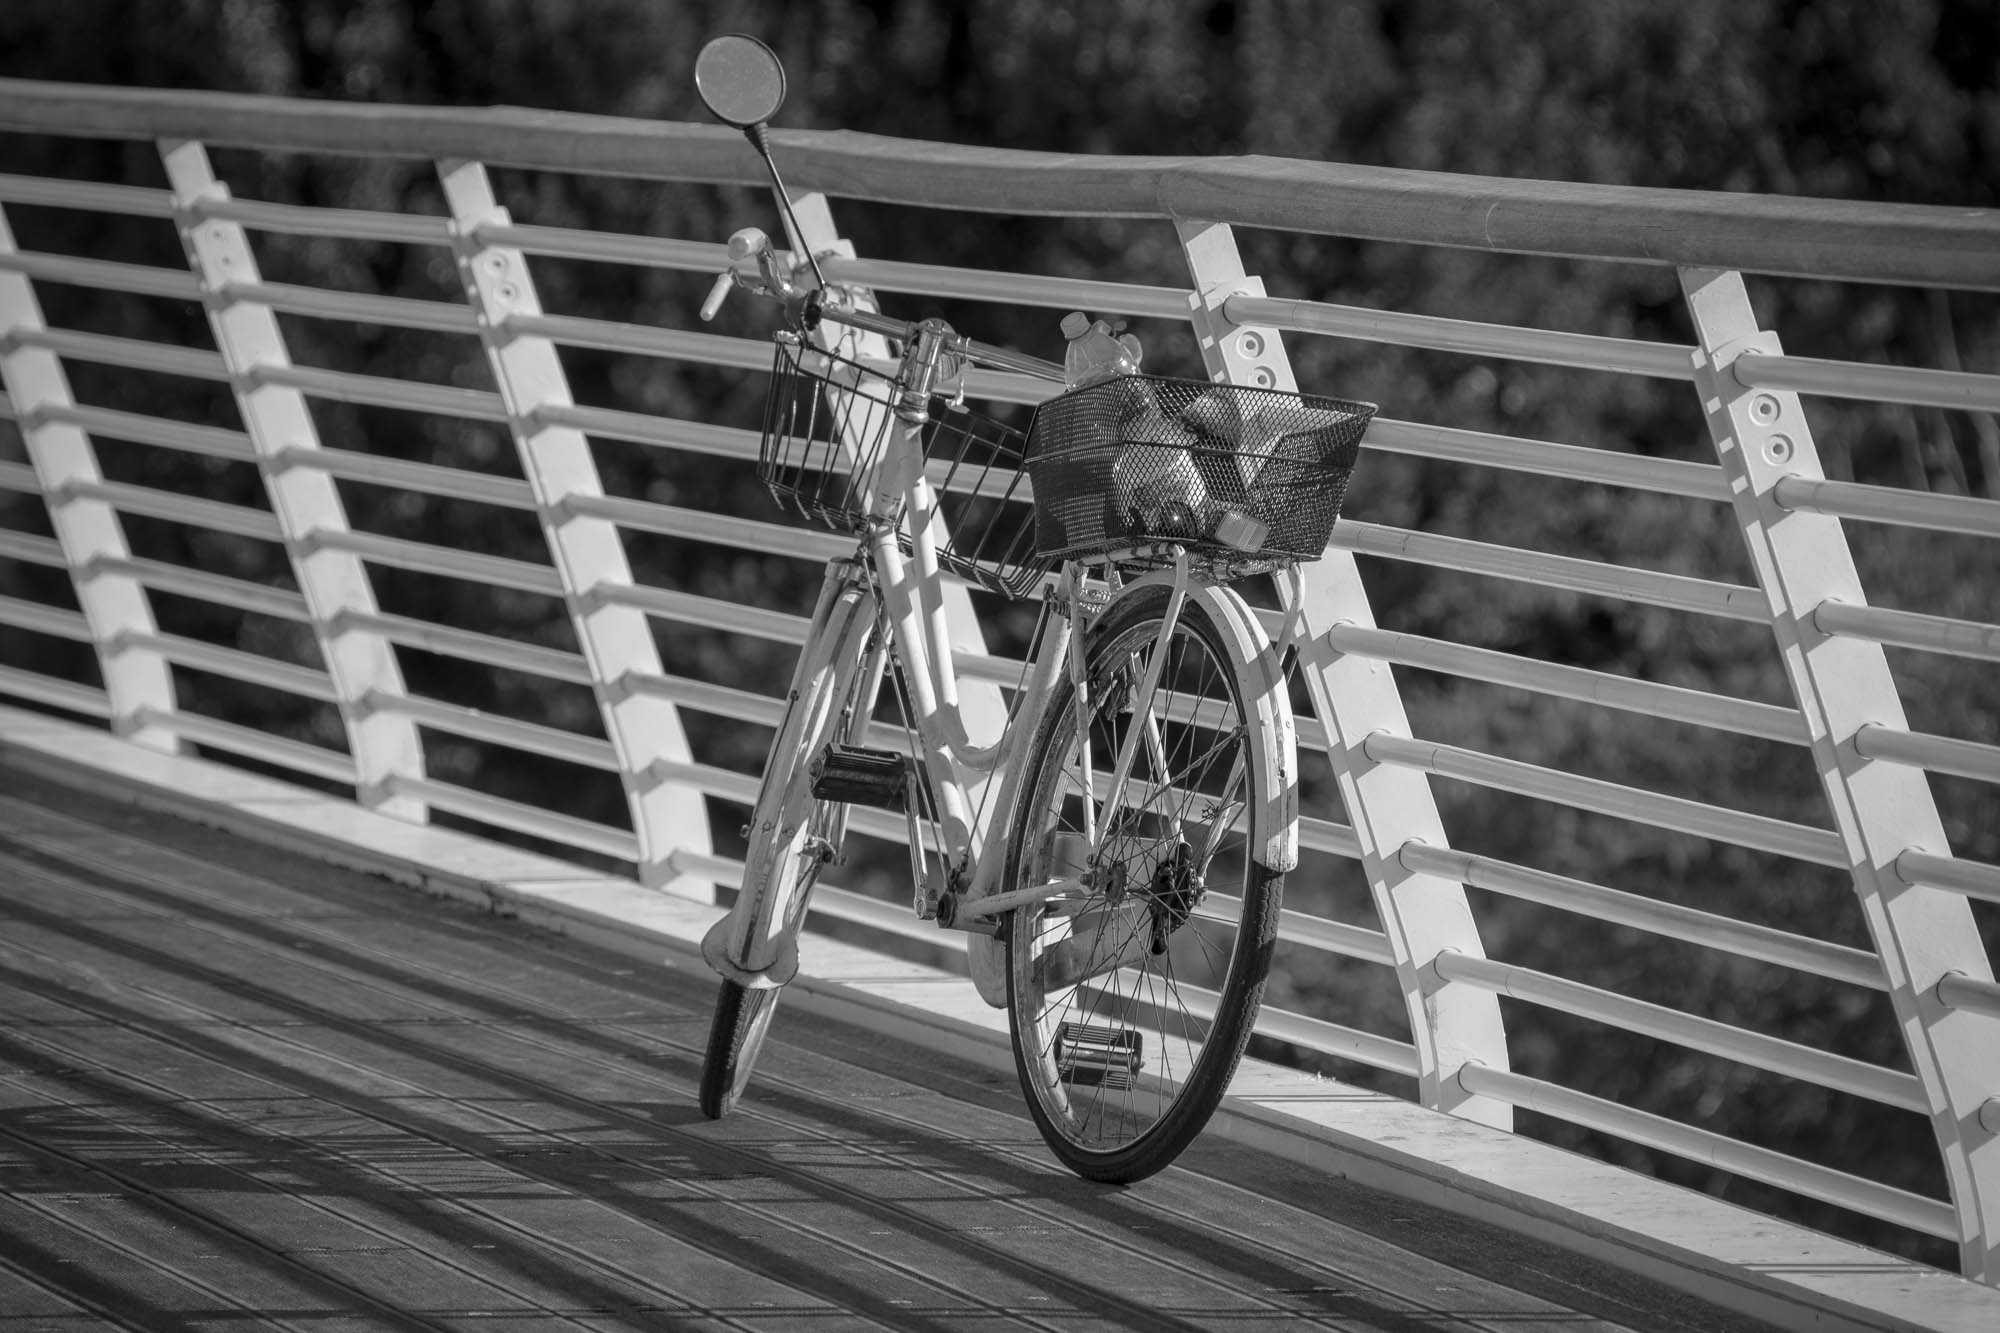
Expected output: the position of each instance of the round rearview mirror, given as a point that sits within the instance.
(740, 80)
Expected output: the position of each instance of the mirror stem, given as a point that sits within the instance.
(760, 140)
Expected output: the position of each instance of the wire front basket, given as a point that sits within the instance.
(1137, 464)
(827, 426)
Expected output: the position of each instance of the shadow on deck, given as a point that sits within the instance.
(236, 1083)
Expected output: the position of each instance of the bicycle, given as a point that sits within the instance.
(1117, 856)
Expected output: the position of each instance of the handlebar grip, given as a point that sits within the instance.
(717, 294)
(747, 242)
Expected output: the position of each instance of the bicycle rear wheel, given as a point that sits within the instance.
(792, 835)
(1132, 994)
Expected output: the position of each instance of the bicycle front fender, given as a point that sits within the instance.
(756, 944)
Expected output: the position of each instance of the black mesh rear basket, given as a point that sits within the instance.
(1229, 472)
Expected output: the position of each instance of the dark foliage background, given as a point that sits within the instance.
(1864, 99)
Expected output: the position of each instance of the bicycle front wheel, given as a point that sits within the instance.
(1132, 992)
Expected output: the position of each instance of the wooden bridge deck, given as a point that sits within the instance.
(241, 1088)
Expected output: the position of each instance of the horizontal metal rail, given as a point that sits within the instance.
(721, 700)
(718, 529)
(92, 196)
(1814, 238)
(643, 428)
(1572, 462)
(1770, 1054)
(186, 436)
(1931, 1216)
(251, 668)
(41, 618)
(425, 558)
(215, 515)
(692, 609)
(1689, 925)
(1975, 879)
(1886, 504)
(401, 312)
(1676, 592)
(126, 353)
(1910, 629)
(472, 646)
(264, 747)
(208, 586)
(1940, 754)
(477, 725)
(498, 811)
(1340, 1041)
(108, 275)
(1672, 702)
(403, 474)
(34, 550)
(1315, 932)
(1959, 991)
(1759, 832)
(1032, 289)
(347, 386)
(1580, 351)
(1884, 384)
(606, 335)
(348, 224)
(19, 477)
(606, 247)
(730, 785)
(73, 696)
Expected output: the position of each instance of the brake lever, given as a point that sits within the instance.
(717, 294)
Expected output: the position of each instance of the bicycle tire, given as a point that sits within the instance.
(1131, 1000)
(802, 832)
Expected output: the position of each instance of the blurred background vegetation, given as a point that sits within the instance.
(1894, 100)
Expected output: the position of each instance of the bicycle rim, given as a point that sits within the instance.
(1132, 996)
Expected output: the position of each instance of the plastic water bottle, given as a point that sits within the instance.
(1095, 352)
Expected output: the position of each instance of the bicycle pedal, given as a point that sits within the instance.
(853, 775)
(1092, 1056)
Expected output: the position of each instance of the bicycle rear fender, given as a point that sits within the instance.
(1273, 734)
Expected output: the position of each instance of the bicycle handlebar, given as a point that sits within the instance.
(774, 282)
(971, 349)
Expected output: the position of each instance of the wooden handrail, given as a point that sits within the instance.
(1917, 244)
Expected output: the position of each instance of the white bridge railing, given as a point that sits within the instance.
(616, 629)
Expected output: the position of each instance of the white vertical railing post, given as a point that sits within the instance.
(588, 552)
(1423, 915)
(1881, 809)
(138, 682)
(361, 664)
